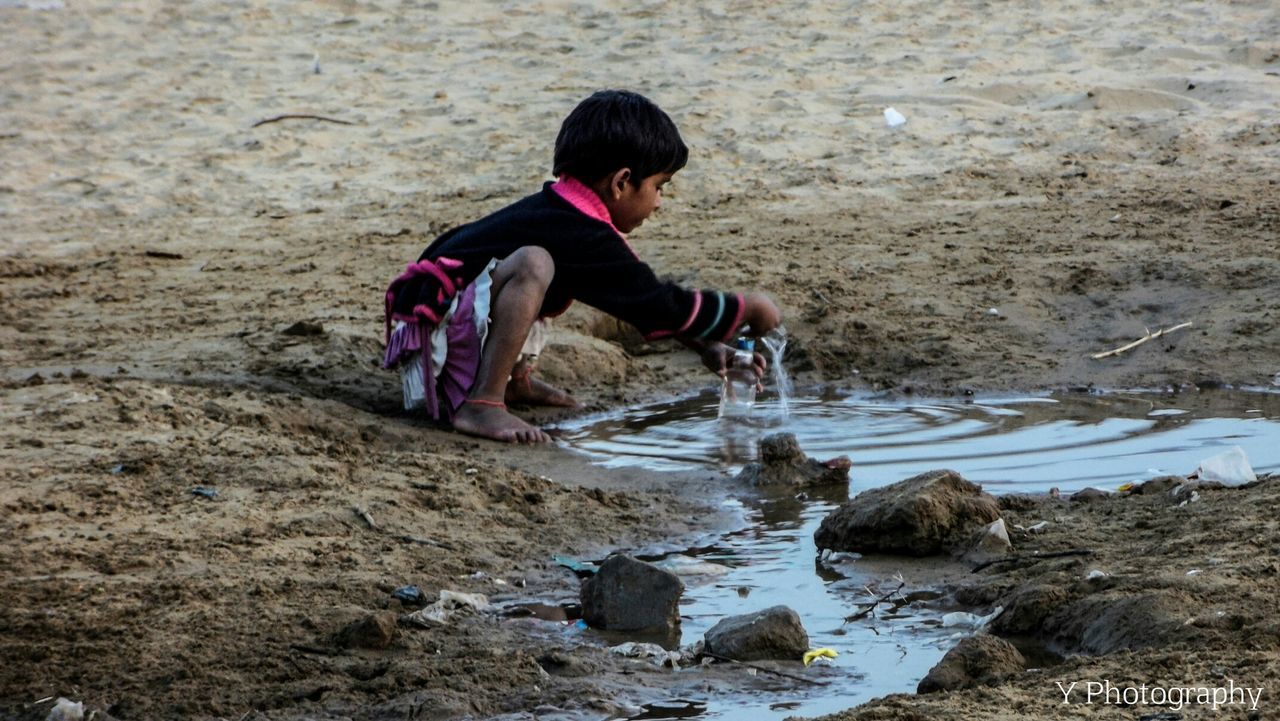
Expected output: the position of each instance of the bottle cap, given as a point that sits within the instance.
(745, 344)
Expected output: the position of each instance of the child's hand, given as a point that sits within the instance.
(718, 356)
(761, 314)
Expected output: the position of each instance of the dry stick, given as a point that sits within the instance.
(406, 538)
(766, 670)
(364, 515)
(872, 606)
(1140, 341)
(1035, 557)
(296, 116)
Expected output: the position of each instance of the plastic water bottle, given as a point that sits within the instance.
(738, 395)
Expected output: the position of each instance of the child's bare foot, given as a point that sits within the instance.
(527, 390)
(491, 420)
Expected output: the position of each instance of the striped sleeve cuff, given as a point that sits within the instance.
(715, 316)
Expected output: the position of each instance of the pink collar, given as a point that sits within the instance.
(584, 199)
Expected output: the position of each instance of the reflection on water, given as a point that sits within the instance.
(1024, 443)
(1018, 443)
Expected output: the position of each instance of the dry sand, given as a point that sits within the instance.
(1089, 170)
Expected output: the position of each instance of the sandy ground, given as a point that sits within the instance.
(1087, 170)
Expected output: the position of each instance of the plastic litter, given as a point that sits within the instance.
(449, 604)
(687, 566)
(963, 619)
(205, 492)
(894, 118)
(1194, 572)
(998, 530)
(582, 569)
(1033, 528)
(817, 653)
(64, 709)
(660, 655)
(409, 594)
(1230, 468)
(993, 311)
(1094, 575)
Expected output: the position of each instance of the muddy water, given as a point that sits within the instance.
(1024, 443)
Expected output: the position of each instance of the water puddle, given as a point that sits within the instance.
(1016, 443)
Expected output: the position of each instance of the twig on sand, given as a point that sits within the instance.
(162, 254)
(872, 606)
(1140, 341)
(300, 116)
(426, 542)
(783, 674)
(1035, 557)
(364, 516)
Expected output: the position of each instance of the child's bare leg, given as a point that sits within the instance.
(524, 388)
(519, 284)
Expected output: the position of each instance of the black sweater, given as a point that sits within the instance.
(593, 264)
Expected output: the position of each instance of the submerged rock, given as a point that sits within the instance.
(781, 462)
(978, 660)
(774, 633)
(630, 595)
(933, 513)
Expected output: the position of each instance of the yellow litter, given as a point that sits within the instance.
(818, 653)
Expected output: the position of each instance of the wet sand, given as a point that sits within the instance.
(1089, 172)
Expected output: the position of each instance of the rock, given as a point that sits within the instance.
(989, 543)
(978, 660)
(563, 663)
(1161, 484)
(1028, 610)
(1090, 495)
(774, 633)
(783, 463)
(304, 328)
(374, 631)
(630, 595)
(1022, 501)
(932, 513)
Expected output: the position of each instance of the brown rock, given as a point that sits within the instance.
(933, 513)
(781, 462)
(774, 633)
(980, 660)
(1090, 495)
(630, 595)
(1161, 484)
(374, 631)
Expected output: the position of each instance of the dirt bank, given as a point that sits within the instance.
(1086, 171)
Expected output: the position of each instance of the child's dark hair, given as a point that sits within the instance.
(616, 129)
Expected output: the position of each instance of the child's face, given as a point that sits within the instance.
(633, 202)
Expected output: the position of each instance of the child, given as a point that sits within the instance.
(470, 313)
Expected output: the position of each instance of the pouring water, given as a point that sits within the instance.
(776, 343)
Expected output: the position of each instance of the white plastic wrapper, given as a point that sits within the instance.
(1230, 468)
